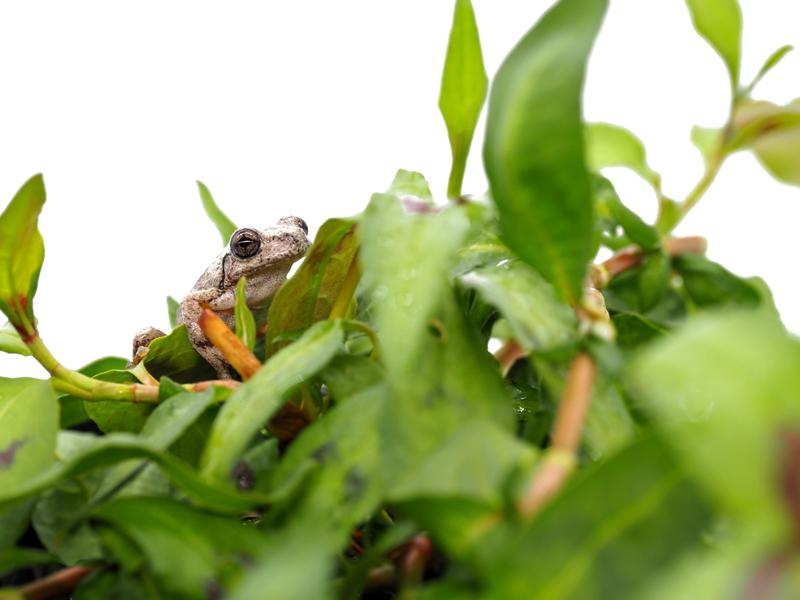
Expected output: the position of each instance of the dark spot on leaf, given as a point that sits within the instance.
(7, 455)
(214, 590)
(243, 476)
(245, 560)
(354, 484)
(790, 475)
(325, 452)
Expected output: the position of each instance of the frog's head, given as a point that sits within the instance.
(256, 251)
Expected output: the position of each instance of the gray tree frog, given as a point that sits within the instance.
(264, 257)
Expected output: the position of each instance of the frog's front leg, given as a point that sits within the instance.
(190, 312)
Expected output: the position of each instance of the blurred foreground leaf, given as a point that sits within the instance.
(727, 427)
(605, 536)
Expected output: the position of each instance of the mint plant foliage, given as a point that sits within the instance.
(453, 396)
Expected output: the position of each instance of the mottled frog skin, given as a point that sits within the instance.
(263, 256)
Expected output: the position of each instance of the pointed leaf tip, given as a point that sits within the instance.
(224, 225)
(21, 254)
(534, 149)
(463, 90)
(719, 22)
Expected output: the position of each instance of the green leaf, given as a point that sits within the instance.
(610, 145)
(344, 447)
(224, 225)
(164, 426)
(707, 140)
(635, 228)
(112, 415)
(633, 330)
(654, 279)
(720, 23)
(252, 404)
(103, 365)
(55, 520)
(410, 183)
(21, 255)
(28, 429)
(15, 558)
(772, 132)
(298, 565)
(439, 373)
(113, 583)
(475, 464)
(779, 153)
(726, 386)
(609, 425)
(188, 551)
(463, 91)
(538, 320)
(172, 311)
(772, 60)
(174, 356)
(347, 375)
(116, 447)
(106, 415)
(534, 150)
(710, 284)
(623, 295)
(245, 322)
(11, 342)
(605, 536)
(312, 291)
(406, 261)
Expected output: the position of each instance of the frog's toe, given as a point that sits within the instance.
(142, 340)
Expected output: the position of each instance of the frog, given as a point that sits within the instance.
(263, 256)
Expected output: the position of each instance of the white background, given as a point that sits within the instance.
(306, 108)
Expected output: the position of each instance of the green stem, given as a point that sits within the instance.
(456, 179)
(80, 385)
(702, 186)
(355, 325)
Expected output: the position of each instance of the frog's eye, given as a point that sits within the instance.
(245, 243)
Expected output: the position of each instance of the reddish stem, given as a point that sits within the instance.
(559, 460)
(57, 584)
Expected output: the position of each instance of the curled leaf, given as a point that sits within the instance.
(772, 132)
(21, 255)
(11, 342)
(610, 145)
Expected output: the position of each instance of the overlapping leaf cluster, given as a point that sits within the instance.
(411, 449)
